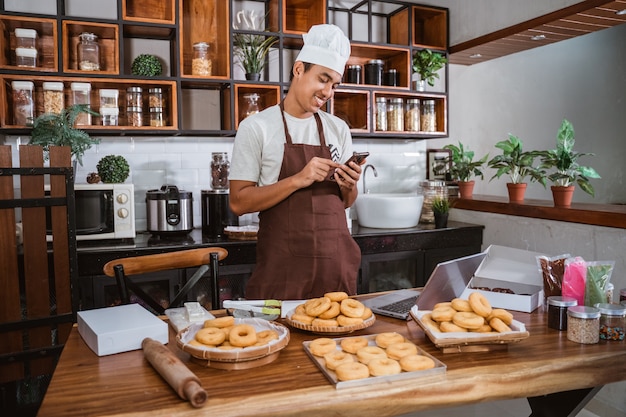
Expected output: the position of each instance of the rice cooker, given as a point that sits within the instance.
(169, 210)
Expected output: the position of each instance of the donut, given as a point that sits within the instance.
(449, 327)
(349, 321)
(226, 331)
(480, 305)
(443, 304)
(367, 313)
(352, 308)
(460, 304)
(220, 322)
(210, 336)
(316, 306)
(485, 328)
(468, 320)
(332, 312)
(386, 339)
(443, 314)
(265, 336)
(300, 309)
(322, 346)
(400, 350)
(336, 358)
(352, 344)
(502, 314)
(367, 353)
(324, 322)
(351, 371)
(411, 363)
(302, 318)
(242, 335)
(337, 296)
(383, 366)
(498, 325)
(427, 320)
(195, 342)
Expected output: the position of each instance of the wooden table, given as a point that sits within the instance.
(125, 384)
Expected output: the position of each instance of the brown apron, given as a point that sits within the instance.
(304, 248)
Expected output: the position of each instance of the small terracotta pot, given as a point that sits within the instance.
(516, 192)
(562, 196)
(466, 189)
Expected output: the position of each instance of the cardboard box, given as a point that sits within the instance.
(119, 329)
(511, 268)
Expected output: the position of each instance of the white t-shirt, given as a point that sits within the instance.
(260, 140)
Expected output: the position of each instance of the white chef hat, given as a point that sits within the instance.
(325, 45)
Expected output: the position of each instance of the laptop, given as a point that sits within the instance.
(448, 279)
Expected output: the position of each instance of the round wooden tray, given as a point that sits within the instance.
(238, 358)
(329, 331)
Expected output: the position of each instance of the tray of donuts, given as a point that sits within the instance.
(333, 314)
(233, 343)
(469, 325)
(363, 360)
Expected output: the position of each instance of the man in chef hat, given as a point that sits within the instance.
(287, 165)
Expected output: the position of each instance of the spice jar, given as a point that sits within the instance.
(81, 94)
(612, 321)
(88, 52)
(428, 118)
(26, 57)
(134, 116)
(201, 63)
(220, 168)
(390, 77)
(381, 114)
(353, 74)
(395, 115)
(25, 38)
(23, 103)
(583, 324)
(412, 115)
(155, 98)
(431, 190)
(252, 104)
(134, 97)
(156, 117)
(53, 99)
(374, 72)
(557, 311)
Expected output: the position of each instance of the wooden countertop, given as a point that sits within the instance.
(125, 384)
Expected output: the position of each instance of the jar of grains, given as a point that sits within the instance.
(156, 117)
(88, 52)
(201, 63)
(381, 114)
(395, 115)
(155, 98)
(23, 103)
(134, 97)
(428, 119)
(53, 98)
(134, 116)
(430, 190)
(557, 311)
(25, 38)
(412, 115)
(583, 324)
(81, 94)
(612, 321)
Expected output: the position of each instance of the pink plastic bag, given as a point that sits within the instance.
(574, 279)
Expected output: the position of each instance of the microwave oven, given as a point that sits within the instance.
(104, 211)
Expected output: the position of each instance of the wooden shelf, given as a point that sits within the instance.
(353, 106)
(156, 11)
(47, 42)
(396, 58)
(269, 95)
(430, 27)
(108, 40)
(297, 15)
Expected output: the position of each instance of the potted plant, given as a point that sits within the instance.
(426, 63)
(52, 129)
(463, 167)
(518, 164)
(146, 65)
(251, 50)
(441, 209)
(567, 169)
(113, 169)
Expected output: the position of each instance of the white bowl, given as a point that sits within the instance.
(389, 211)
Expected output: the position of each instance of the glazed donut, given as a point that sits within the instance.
(413, 363)
(427, 320)
(480, 305)
(384, 340)
(383, 366)
(351, 371)
(300, 309)
(443, 314)
(400, 350)
(242, 335)
(367, 353)
(316, 306)
(498, 325)
(332, 312)
(336, 358)
(502, 314)
(449, 327)
(460, 304)
(352, 308)
(265, 336)
(349, 321)
(322, 346)
(352, 344)
(443, 304)
(211, 336)
(324, 323)
(468, 320)
(220, 322)
(367, 313)
(338, 296)
(302, 318)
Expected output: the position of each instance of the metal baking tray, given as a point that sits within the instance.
(440, 367)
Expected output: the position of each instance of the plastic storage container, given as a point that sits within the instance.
(557, 311)
(428, 118)
(109, 116)
(201, 63)
(395, 115)
(26, 57)
(23, 103)
(381, 114)
(53, 97)
(412, 115)
(81, 94)
(612, 321)
(25, 38)
(374, 72)
(430, 190)
(583, 324)
(109, 98)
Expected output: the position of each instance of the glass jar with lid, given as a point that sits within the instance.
(353, 74)
(395, 114)
(81, 94)
(557, 311)
(157, 119)
(88, 52)
(201, 64)
(53, 98)
(134, 116)
(374, 72)
(252, 104)
(428, 118)
(412, 115)
(431, 190)
(134, 97)
(583, 324)
(220, 167)
(381, 114)
(23, 103)
(26, 57)
(612, 321)
(155, 98)
(25, 38)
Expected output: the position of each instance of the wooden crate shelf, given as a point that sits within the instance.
(397, 58)
(108, 40)
(353, 106)
(297, 15)
(430, 27)
(47, 42)
(269, 95)
(156, 11)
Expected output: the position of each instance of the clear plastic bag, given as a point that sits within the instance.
(552, 270)
(598, 277)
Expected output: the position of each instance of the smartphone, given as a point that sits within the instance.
(357, 157)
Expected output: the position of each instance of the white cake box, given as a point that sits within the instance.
(513, 269)
(119, 329)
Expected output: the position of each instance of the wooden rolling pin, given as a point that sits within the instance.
(173, 370)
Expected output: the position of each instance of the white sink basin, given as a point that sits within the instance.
(389, 211)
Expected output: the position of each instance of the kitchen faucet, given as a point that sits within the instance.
(365, 189)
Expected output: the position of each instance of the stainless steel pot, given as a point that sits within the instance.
(169, 210)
